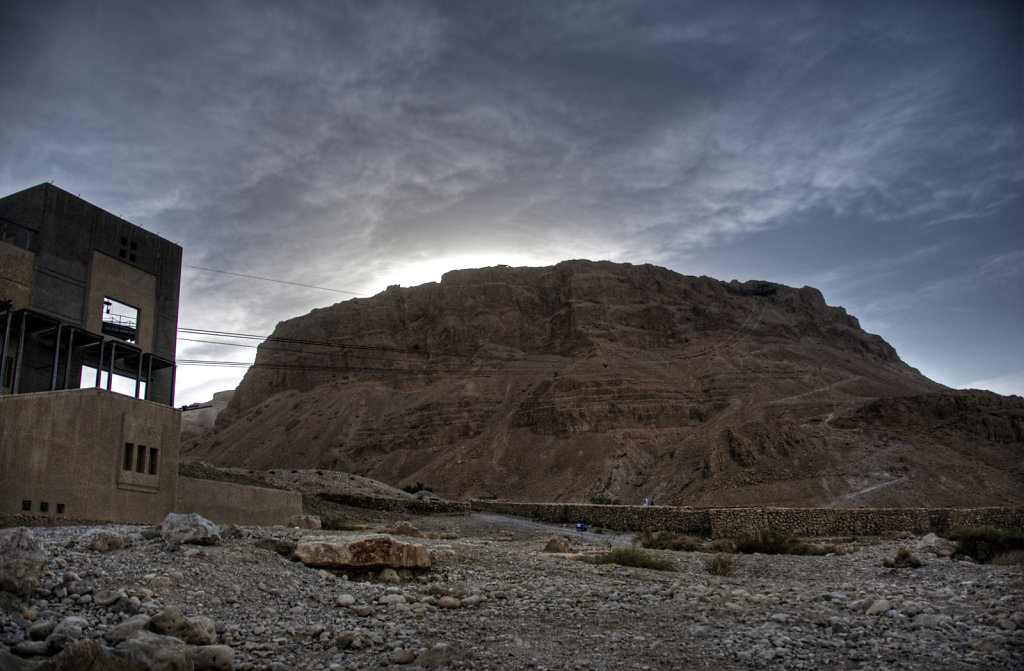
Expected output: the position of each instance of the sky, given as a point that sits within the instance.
(873, 150)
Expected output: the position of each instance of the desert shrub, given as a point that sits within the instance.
(723, 545)
(418, 487)
(488, 497)
(904, 559)
(603, 500)
(1011, 558)
(721, 564)
(769, 542)
(669, 540)
(337, 523)
(985, 543)
(633, 557)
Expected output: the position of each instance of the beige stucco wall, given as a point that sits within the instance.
(226, 502)
(112, 278)
(16, 268)
(67, 448)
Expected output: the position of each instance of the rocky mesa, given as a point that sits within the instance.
(597, 381)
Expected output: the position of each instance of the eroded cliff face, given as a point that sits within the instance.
(589, 380)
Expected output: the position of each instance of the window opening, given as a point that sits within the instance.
(44, 507)
(119, 320)
(26, 505)
(122, 384)
(60, 508)
(129, 450)
(152, 461)
(140, 459)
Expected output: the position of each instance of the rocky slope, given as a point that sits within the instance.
(602, 381)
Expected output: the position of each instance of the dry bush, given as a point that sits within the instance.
(770, 542)
(633, 557)
(721, 565)
(669, 540)
(985, 543)
(904, 559)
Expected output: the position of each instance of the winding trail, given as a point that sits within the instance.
(620, 540)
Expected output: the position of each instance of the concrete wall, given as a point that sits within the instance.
(66, 451)
(727, 522)
(110, 278)
(226, 502)
(16, 269)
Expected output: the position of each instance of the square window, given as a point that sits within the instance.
(60, 508)
(44, 507)
(129, 450)
(134, 246)
(152, 461)
(140, 459)
(26, 505)
(124, 241)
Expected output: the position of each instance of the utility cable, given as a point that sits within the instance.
(271, 279)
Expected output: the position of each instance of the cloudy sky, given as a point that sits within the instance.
(870, 149)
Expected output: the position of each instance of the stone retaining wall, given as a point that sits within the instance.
(727, 522)
(414, 506)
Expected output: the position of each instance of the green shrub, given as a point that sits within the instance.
(669, 540)
(603, 500)
(985, 543)
(633, 557)
(721, 564)
(337, 523)
(769, 542)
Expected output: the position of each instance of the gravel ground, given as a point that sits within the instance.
(499, 602)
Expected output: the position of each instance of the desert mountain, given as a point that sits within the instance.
(603, 381)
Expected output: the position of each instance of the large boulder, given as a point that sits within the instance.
(361, 553)
(189, 528)
(195, 630)
(93, 656)
(165, 653)
(937, 545)
(21, 561)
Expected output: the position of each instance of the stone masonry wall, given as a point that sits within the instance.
(726, 522)
(414, 506)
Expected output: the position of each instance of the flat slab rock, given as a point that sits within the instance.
(363, 552)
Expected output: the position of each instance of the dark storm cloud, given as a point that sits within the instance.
(337, 143)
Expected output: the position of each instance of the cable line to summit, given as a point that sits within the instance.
(271, 279)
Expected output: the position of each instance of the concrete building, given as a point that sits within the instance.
(88, 431)
(82, 288)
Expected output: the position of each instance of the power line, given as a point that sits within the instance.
(271, 279)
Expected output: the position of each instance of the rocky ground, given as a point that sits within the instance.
(497, 601)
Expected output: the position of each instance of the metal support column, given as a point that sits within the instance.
(21, 352)
(174, 377)
(71, 352)
(110, 373)
(3, 349)
(138, 375)
(56, 357)
(99, 363)
(149, 378)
